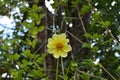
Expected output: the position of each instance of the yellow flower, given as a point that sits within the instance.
(58, 45)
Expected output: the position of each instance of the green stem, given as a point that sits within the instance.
(62, 66)
(57, 69)
(67, 72)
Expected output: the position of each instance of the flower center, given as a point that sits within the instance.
(59, 46)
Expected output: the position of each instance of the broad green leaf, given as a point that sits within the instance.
(16, 56)
(41, 28)
(75, 3)
(88, 35)
(34, 43)
(38, 21)
(35, 7)
(97, 36)
(27, 54)
(84, 9)
(32, 25)
(95, 18)
(105, 24)
(34, 31)
(84, 76)
(29, 42)
(36, 1)
(86, 45)
(41, 16)
(41, 59)
(34, 16)
(1, 32)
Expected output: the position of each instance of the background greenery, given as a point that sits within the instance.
(93, 27)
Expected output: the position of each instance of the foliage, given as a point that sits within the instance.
(94, 38)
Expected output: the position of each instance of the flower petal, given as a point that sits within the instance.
(67, 48)
(50, 40)
(63, 54)
(58, 45)
(55, 36)
(62, 36)
(51, 51)
(50, 46)
(56, 55)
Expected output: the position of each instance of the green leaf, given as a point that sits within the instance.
(27, 54)
(32, 25)
(34, 43)
(36, 73)
(88, 62)
(34, 16)
(97, 36)
(75, 3)
(24, 61)
(45, 78)
(41, 28)
(95, 18)
(38, 21)
(84, 9)
(34, 31)
(86, 45)
(14, 57)
(35, 7)
(41, 16)
(105, 24)
(25, 24)
(29, 41)
(36, 1)
(118, 69)
(1, 32)
(95, 49)
(88, 35)
(41, 59)
(84, 76)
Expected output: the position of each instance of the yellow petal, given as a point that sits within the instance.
(55, 36)
(50, 40)
(51, 51)
(62, 36)
(66, 41)
(67, 48)
(56, 55)
(50, 46)
(54, 41)
(63, 54)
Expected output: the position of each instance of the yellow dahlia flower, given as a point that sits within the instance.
(58, 45)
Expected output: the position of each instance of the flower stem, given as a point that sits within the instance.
(57, 69)
(62, 66)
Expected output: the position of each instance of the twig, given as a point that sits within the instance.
(73, 17)
(82, 23)
(90, 75)
(112, 35)
(107, 72)
(38, 49)
(75, 37)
